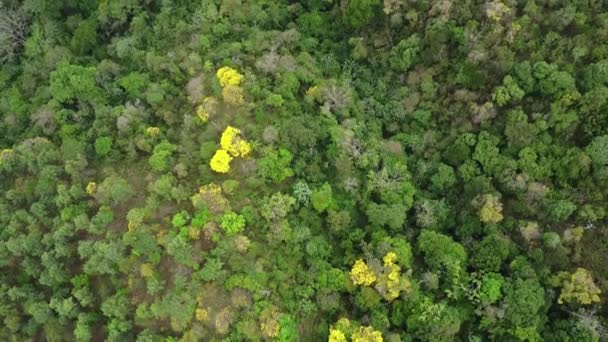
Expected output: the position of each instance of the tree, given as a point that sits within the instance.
(14, 27)
(508, 91)
(367, 334)
(405, 54)
(232, 142)
(229, 76)
(160, 158)
(443, 253)
(360, 12)
(491, 209)
(221, 161)
(322, 198)
(69, 82)
(490, 253)
(275, 165)
(444, 179)
(232, 223)
(392, 216)
(101, 257)
(430, 321)
(277, 206)
(114, 190)
(103, 146)
(361, 274)
(491, 288)
(134, 83)
(577, 287)
(598, 150)
(524, 299)
(551, 240)
(302, 193)
(288, 329)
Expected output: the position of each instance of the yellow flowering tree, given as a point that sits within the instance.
(230, 81)
(221, 161)
(336, 336)
(233, 95)
(201, 315)
(233, 143)
(387, 279)
(210, 197)
(202, 114)
(228, 76)
(393, 276)
(367, 334)
(390, 282)
(91, 188)
(361, 274)
(206, 109)
(344, 330)
(152, 131)
(340, 331)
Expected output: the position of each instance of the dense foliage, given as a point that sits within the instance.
(341, 170)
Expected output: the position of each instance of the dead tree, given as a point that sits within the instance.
(14, 26)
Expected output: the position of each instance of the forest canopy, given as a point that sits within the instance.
(317, 170)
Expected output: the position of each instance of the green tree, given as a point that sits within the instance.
(598, 150)
(361, 12)
(232, 223)
(490, 253)
(69, 82)
(405, 54)
(524, 299)
(103, 146)
(322, 198)
(160, 159)
(275, 165)
(114, 190)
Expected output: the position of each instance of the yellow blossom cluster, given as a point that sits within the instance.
(343, 330)
(202, 114)
(313, 94)
(336, 336)
(232, 145)
(206, 109)
(210, 188)
(210, 196)
(91, 188)
(230, 81)
(392, 282)
(152, 131)
(339, 331)
(361, 274)
(220, 161)
(232, 142)
(228, 76)
(367, 334)
(201, 314)
(387, 280)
